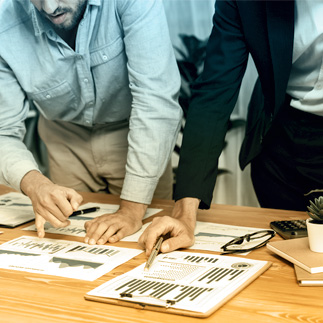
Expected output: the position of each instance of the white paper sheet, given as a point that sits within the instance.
(195, 281)
(62, 258)
(15, 209)
(212, 236)
(76, 228)
(111, 208)
(209, 236)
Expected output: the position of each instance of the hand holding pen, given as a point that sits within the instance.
(181, 234)
(154, 254)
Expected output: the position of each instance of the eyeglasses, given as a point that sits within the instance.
(248, 242)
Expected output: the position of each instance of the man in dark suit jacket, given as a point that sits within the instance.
(284, 135)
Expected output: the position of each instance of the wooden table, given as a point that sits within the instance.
(273, 297)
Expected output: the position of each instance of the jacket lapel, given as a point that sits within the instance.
(280, 22)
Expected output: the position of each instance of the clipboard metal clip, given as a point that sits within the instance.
(168, 302)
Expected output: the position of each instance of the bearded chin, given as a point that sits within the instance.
(75, 19)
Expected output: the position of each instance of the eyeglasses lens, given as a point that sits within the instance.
(249, 241)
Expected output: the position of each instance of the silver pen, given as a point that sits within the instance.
(154, 253)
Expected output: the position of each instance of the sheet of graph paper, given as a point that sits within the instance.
(192, 281)
(76, 228)
(62, 258)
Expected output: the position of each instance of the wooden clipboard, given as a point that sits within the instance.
(171, 310)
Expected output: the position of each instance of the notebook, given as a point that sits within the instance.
(298, 252)
(304, 278)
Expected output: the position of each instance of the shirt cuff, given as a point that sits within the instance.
(19, 170)
(138, 189)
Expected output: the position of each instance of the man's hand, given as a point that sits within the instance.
(113, 227)
(180, 226)
(51, 202)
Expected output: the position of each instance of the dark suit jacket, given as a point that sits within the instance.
(265, 29)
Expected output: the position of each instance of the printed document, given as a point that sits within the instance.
(208, 236)
(189, 281)
(15, 209)
(62, 258)
(76, 228)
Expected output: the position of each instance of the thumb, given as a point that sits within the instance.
(74, 198)
(171, 244)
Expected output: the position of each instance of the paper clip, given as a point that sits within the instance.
(168, 302)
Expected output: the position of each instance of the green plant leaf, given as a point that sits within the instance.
(314, 207)
(314, 216)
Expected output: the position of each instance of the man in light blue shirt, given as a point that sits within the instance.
(97, 71)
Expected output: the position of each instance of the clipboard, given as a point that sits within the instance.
(190, 296)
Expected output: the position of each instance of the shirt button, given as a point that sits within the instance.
(48, 96)
(105, 57)
(87, 122)
(86, 80)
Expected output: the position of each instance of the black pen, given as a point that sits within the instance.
(85, 211)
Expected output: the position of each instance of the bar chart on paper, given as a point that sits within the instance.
(62, 258)
(195, 283)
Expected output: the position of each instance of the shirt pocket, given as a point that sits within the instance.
(57, 102)
(107, 52)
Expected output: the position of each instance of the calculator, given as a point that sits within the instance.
(290, 229)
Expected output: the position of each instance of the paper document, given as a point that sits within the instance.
(212, 236)
(62, 258)
(111, 208)
(15, 209)
(76, 228)
(182, 280)
(209, 236)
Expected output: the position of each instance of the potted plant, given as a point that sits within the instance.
(315, 224)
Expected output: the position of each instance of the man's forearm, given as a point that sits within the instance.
(186, 210)
(31, 180)
(137, 210)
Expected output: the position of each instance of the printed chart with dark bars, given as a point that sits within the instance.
(182, 280)
(62, 258)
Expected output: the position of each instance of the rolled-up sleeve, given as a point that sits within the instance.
(154, 83)
(15, 159)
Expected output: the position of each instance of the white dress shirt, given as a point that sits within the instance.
(305, 84)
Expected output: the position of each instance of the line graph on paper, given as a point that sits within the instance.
(62, 258)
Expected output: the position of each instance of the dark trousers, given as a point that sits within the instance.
(291, 162)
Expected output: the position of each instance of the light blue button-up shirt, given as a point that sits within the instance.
(123, 67)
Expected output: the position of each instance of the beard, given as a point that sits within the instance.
(75, 16)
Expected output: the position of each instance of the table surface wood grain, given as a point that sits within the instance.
(273, 297)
